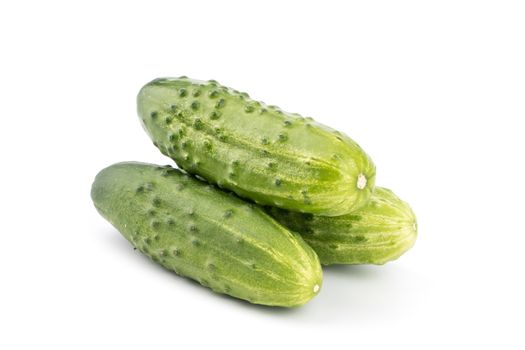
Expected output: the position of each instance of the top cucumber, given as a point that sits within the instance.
(260, 152)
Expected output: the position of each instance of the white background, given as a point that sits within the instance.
(433, 90)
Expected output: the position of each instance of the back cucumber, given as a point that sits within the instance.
(379, 232)
(208, 235)
(258, 151)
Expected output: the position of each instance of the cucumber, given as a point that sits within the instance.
(201, 232)
(257, 151)
(379, 232)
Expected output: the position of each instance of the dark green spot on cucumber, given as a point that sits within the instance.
(215, 115)
(220, 103)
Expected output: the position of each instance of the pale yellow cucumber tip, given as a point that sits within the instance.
(361, 181)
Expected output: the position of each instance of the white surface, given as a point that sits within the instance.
(434, 91)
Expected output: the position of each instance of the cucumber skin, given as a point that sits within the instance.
(379, 232)
(257, 151)
(208, 235)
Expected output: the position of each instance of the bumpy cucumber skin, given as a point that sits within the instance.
(379, 232)
(208, 235)
(257, 151)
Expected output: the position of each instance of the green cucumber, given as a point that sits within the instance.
(379, 232)
(257, 151)
(201, 232)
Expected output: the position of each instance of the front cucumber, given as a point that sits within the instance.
(208, 235)
(260, 152)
